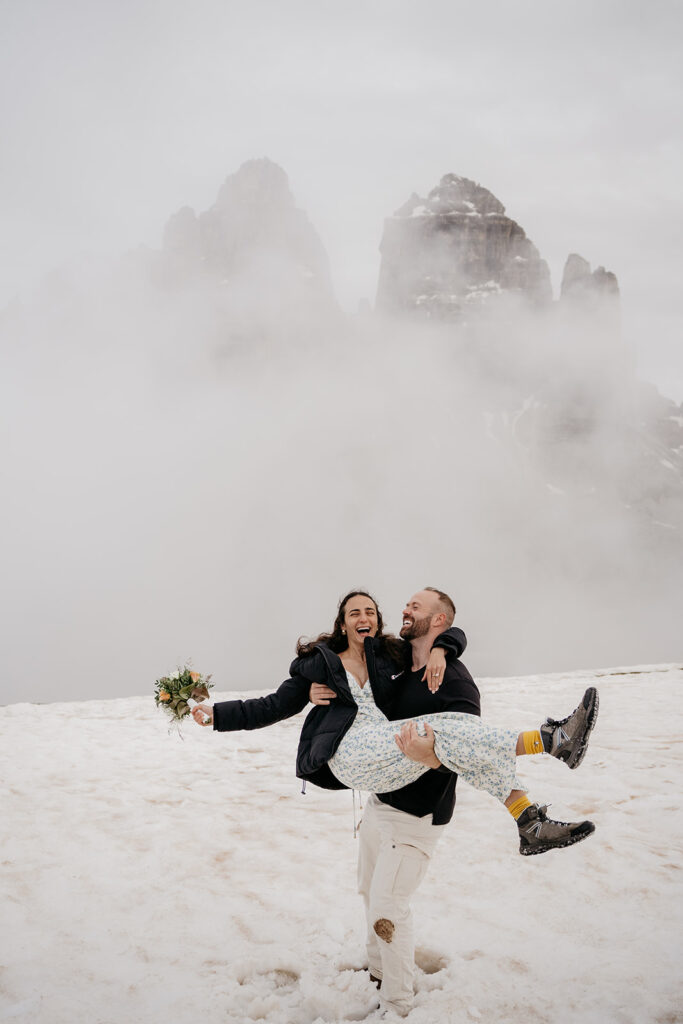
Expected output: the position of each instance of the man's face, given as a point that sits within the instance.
(417, 615)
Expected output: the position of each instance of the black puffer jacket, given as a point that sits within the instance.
(325, 726)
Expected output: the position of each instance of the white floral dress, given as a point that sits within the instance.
(368, 758)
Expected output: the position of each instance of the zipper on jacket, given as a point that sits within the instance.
(303, 788)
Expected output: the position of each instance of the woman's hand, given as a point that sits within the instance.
(436, 666)
(203, 714)
(320, 694)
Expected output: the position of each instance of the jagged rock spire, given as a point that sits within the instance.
(578, 280)
(254, 221)
(451, 251)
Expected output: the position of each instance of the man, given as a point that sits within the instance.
(400, 830)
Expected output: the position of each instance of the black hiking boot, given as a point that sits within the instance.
(567, 739)
(538, 833)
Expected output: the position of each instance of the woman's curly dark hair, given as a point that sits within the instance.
(338, 641)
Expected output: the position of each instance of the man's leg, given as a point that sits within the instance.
(393, 859)
(368, 850)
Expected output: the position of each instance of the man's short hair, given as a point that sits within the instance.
(445, 604)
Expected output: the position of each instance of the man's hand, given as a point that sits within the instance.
(320, 694)
(417, 748)
(436, 666)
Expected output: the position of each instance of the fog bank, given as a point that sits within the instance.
(200, 470)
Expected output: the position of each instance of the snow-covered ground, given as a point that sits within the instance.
(152, 880)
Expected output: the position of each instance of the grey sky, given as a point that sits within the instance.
(114, 115)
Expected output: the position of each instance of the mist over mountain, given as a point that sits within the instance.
(203, 453)
(253, 235)
(572, 399)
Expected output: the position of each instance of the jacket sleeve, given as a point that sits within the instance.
(290, 698)
(458, 692)
(453, 641)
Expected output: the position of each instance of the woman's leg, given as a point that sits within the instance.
(566, 739)
(488, 764)
(515, 796)
(485, 756)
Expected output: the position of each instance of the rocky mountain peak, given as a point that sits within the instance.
(592, 297)
(181, 233)
(451, 252)
(454, 195)
(577, 279)
(257, 183)
(254, 229)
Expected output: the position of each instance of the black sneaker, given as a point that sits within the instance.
(568, 739)
(538, 833)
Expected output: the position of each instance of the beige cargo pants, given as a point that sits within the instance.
(394, 852)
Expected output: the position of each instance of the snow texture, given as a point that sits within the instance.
(150, 879)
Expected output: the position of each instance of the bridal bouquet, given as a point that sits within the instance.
(173, 693)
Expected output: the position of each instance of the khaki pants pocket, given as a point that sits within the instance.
(411, 866)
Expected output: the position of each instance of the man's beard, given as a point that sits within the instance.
(419, 627)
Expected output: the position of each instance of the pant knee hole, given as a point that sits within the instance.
(384, 929)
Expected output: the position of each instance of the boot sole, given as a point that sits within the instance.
(574, 759)
(531, 850)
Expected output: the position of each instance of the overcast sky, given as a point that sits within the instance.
(113, 115)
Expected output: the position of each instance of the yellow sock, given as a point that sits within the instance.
(533, 744)
(519, 806)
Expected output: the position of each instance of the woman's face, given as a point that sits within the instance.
(360, 618)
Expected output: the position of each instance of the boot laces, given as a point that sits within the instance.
(542, 814)
(554, 722)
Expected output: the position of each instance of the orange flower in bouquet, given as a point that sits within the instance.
(173, 693)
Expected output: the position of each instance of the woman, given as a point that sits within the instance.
(351, 742)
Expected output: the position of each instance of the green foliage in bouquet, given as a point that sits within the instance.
(173, 693)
